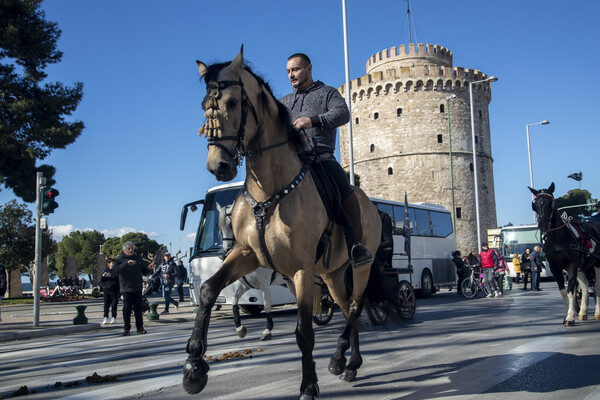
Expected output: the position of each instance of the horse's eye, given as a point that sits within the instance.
(231, 103)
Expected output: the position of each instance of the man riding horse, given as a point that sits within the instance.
(316, 111)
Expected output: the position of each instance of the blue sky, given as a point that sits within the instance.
(140, 159)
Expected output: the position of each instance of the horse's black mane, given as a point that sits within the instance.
(284, 114)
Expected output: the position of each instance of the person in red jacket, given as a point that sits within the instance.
(489, 263)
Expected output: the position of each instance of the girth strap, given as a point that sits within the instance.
(259, 209)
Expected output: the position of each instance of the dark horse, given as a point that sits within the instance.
(565, 251)
(278, 220)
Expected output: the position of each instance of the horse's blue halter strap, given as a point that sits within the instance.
(259, 209)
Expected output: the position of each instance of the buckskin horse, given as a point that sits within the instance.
(278, 220)
(565, 250)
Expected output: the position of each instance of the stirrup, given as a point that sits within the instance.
(360, 255)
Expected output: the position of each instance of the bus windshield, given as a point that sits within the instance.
(208, 237)
(516, 240)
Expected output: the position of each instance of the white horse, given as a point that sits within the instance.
(261, 278)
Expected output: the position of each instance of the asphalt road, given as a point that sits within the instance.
(513, 347)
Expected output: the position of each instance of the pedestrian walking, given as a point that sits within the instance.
(536, 268)
(526, 268)
(181, 279)
(109, 282)
(167, 270)
(517, 266)
(489, 263)
(130, 268)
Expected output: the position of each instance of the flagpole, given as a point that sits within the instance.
(348, 97)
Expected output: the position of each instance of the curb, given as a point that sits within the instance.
(36, 333)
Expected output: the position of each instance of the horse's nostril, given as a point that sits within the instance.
(223, 166)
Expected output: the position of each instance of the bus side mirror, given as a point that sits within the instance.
(184, 211)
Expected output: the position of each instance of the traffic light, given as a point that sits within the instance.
(48, 203)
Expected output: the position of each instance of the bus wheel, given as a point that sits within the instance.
(426, 284)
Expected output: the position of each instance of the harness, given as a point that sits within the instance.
(259, 209)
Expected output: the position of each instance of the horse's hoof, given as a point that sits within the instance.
(569, 323)
(349, 375)
(336, 368)
(265, 336)
(195, 375)
(597, 317)
(241, 331)
(582, 317)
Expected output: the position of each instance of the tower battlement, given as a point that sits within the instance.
(398, 57)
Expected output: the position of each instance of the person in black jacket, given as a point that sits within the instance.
(526, 268)
(167, 270)
(130, 268)
(386, 244)
(461, 269)
(109, 282)
(180, 279)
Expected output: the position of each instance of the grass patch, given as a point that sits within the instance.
(17, 300)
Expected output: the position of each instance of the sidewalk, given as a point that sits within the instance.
(57, 318)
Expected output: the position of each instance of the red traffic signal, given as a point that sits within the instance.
(48, 203)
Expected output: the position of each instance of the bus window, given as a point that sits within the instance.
(423, 223)
(441, 223)
(208, 237)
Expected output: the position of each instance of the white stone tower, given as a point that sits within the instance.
(401, 136)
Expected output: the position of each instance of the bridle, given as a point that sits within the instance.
(212, 127)
(549, 218)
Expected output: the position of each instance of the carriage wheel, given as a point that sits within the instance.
(377, 312)
(407, 303)
(469, 288)
(327, 306)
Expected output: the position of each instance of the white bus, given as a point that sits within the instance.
(432, 242)
(515, 239)
(208, 253)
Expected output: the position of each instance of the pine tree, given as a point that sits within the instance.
(32, 109)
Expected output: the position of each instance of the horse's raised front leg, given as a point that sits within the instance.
(305, 335)
(266, 335)
(238, 263)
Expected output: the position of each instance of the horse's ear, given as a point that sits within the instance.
(535, 192)
(238, 62)
(202, 68)
(551, 188)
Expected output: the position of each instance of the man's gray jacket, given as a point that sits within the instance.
(327, 111)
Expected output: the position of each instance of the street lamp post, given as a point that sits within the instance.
(452, 96)
(544, 122)
(489, 79)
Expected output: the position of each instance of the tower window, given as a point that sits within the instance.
(439, 138)
(442, 110)
(476, 139)
(356, 121)
(399, 112)
(372, 148)
(376, 115)
(390, 171)
(471, 167)
(458, 212)
(480, 114)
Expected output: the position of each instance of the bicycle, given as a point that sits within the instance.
(470, 287)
